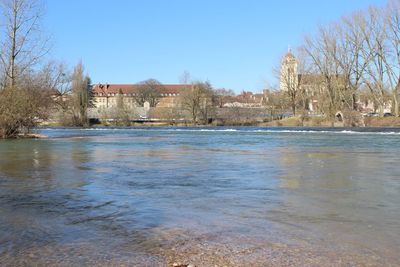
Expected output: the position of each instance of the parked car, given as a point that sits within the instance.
(388, 114)
(372, 114)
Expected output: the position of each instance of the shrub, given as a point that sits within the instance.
(21, 109)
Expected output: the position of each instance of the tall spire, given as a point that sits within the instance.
(289, 49)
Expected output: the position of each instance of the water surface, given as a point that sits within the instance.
(224, 196)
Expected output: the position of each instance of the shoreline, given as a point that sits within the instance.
(317, 122)
(31, 136)
(274, 124)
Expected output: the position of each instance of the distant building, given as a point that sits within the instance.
(313, 85)
(292, 80)
(310, 85)
(106, 95)
(289, 75)
(246, 100)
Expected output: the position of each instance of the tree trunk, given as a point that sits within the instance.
(395, 105)
(13, 46)
(354, 98)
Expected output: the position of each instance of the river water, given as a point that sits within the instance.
(207, 196)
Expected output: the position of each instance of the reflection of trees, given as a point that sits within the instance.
(323, 170)
(43, 164)
(27, 159)
(80, 154)
(335, 195)
(316, 182)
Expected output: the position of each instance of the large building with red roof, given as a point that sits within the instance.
(105, 95)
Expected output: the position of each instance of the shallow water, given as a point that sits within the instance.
(224, 196)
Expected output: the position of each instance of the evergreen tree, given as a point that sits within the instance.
(82, 95)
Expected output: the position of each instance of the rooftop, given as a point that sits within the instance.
(132, 88)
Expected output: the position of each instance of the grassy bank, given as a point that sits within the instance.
(301, 122)
(288, 122)
(382, 122)
(323, 122)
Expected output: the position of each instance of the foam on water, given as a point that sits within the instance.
(249, 130)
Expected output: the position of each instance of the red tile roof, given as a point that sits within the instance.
(132, 88)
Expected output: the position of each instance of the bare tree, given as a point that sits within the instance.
(374, 52)
(121, 115)
(277, 103)
(24, 44)
(198, 101)
(323, 51)
(222, 95)
(392, 57)
(24, 97)
(306, 83)
(360, 51)
(81, 95)
(57, 79)
(25, 106)
(350, 57)
(149, 91)
(185, 77)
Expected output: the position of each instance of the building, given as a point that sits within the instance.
(288, 75)
(106, 95)
(313, 86)
(310, 86)
(245, 99)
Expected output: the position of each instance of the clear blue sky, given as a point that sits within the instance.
(232, 43)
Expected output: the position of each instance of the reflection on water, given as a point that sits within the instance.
(134, 196)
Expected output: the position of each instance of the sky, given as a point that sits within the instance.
(234, 44)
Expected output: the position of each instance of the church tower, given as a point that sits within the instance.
(288, 75)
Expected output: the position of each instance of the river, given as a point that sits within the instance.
(243, 196)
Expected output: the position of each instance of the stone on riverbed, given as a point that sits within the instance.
(182, 265)
(32, 136)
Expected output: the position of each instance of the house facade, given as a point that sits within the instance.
(108, 95)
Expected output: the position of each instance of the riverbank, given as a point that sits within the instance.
(390, 122)
(322, 122)
(200, 252)
(32, 136)
(289, 122)
(29, 136)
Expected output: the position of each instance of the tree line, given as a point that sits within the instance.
(198, 99)
(354, 59)
(33, 89)
(30, 87)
